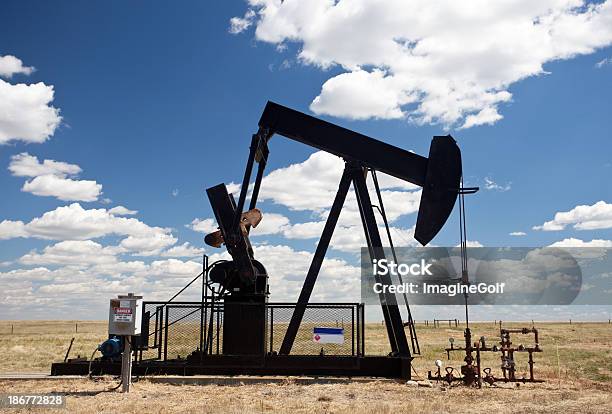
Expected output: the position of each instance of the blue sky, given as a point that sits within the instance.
(158, 102)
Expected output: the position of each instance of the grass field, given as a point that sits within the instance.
(576, 363)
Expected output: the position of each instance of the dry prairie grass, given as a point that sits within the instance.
(585, 385)
(84, 396)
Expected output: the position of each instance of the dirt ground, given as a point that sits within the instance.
(86, 396)
(576, 364)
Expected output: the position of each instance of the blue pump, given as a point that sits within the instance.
(111, 348)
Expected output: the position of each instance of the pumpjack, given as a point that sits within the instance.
(245, 279)
(242, 288)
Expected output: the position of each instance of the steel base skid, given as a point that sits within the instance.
(307, 365)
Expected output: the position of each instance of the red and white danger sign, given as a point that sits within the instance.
(123, 314)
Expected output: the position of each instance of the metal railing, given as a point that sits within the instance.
(177, 329)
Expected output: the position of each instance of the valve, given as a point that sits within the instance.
(488, 378)
(449, 377)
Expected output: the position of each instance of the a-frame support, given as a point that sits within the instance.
(356, 174)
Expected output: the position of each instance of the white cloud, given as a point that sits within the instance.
(26, 114)
(307, 230)
(73, 222)
(10, 65)
(26, 165)
(64, 189)
(72, 252)
(50, 179)
(572, 242)
(183, 250)
(122, 211)
(287, 268)
(583, 217)
(43, 291)
(487, 116)
(492, 185)
(233, 188)
(205, 226)
(603, 62)
(518, 233)
(240, 24)
(148, 244)
(271, 223)
(317, 179)
(119, 269)
(472, 243)
(362, 95)
(12, 229)
(450, 63)
(174, 268)
(35, 274)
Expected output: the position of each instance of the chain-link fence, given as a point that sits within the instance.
(344, 317)
(182, 330)
(176, 330)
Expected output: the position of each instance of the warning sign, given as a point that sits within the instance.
(122, 315)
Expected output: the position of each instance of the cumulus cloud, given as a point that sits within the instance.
(174, 268)
(240, 24)
(317, 178)
(51, 179)
(122, 211)
(287, 268)
(472, 243)
(573, 242)
(183, 250)
(271, 223)
(148, 244)
(518, 233)
(42, 291)
(362, 95)
(603, 62)
(26, 113)
(12, 229)
(203, 225)
(65, 189)
(73, 222)
(10, 65)
(449, 63)
(72, 252)
(26, 165)
(492, 185)
(583, 217)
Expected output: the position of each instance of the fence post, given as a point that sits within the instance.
(166, 334)
(271, 329)
(76, 327)
(352, 330)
